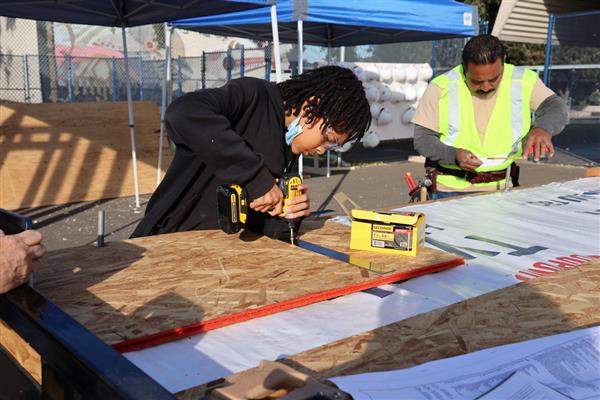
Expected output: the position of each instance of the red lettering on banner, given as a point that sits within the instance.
(551, 266)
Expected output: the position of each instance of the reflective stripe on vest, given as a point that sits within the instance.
(454, 112)
(516, 100)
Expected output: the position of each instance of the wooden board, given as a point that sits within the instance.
(57, 153)
(136, 293)
(552, 304)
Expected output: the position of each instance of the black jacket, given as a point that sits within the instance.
(232, 134)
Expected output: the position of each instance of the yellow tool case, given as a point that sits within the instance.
(387, 232)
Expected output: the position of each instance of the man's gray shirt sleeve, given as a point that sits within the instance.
(552, 115)
(427, 143)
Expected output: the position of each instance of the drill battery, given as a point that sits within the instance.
(232, 202)
(232, 205)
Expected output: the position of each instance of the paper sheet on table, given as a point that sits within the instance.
(568, 364)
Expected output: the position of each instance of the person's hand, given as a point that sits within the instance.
(538, 143)
(19, 257)
(271, 202)
(299, 206)
(467, 160)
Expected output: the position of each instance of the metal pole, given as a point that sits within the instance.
(433, 54)
(69, 79)
(267, 63)
(203, 66)
(179, 76)
(277, 55)
(141, 79)
(300, 26)
(163, 101)
(343, 54)
(229, 63)
(548, 56)
(328, 163)
(300, 47)
(115, 88)
(26, 79)
(131, 121)
(100, 237)
(242, 62)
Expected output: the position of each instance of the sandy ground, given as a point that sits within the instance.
(373, 178)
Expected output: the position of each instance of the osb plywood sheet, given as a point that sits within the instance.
(21, 351)
(57, 153)
(552, 304)
(549, 305)
(148, 285)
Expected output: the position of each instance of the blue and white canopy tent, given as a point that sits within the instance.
(122, 13)
(334, 23)
(346, 22)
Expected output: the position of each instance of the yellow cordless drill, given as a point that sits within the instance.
(232, 204)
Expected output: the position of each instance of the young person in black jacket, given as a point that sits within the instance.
(249, 132)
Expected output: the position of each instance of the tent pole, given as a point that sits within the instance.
(131, 121)
(277, 55)
(343, 54)
(300, 70)
(163, 101)
(300, 47)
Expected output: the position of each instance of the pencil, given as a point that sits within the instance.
(504, 158)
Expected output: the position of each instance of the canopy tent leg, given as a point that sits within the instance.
(163, 106)
(131, 121)
(343, 54)
(275, 30)
(300, 70)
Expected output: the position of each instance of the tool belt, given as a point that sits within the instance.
(433, 169)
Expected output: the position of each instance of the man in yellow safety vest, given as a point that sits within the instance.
(474, 120)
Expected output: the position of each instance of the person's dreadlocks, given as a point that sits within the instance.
(332, 93)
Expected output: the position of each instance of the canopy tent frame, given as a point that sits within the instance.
(297, 13)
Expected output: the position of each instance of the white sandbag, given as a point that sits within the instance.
(410, 93)
(385, 74)
(421, 86)
(384, 118)
(372, 73)
(370, 140)
(375, 110)
(425, 72)
(384, 93)
(411, 74)
(407, 115)
(371, 93)
(399, 74)
(360, 73)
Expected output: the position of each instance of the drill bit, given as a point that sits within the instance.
(292, 241)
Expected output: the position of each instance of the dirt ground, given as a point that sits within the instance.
(373, 178)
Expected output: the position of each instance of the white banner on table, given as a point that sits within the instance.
(504, 236)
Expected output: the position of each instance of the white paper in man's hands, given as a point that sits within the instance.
(568, 364)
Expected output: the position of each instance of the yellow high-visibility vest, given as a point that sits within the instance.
(509, 122)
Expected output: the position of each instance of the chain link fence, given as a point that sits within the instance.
(37, 79)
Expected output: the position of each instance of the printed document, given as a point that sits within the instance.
(565, 366)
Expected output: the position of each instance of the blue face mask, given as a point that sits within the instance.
(293, 130)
